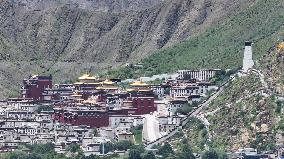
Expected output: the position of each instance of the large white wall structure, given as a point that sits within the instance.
(150, 130)
(247, 61)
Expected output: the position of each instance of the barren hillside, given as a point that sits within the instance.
(65, 38)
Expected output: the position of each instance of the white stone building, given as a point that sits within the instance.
(200, 75)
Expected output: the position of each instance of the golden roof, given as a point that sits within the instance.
(96, 83)
(108, 82)
(87, 77)
(138, 83)
(144, 90)
(106, 88)
(130, 90)
(280, 47)
(110, 88)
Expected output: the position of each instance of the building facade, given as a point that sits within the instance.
(200, 75)
(34, 86)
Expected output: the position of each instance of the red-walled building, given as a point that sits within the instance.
(143, 105)
(82, 117)
(34, 86)
(100, 118)
(92, 118)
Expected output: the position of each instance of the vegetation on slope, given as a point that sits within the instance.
(181, 151)
(245, 114)
(272, 66)
(46, 151)
(243, 117)
(220, 46)
(195, 135)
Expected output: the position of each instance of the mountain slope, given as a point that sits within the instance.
(98, 5)
(241, 115)
(220, 46)
(272, 65)
(248, 113)
(65, 39)
(244, 115)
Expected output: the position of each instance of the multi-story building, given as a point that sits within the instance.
(61, 92)
(200, 75)
(160, 90)
(175, 104)
(34, 86)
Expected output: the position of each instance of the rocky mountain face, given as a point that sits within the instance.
(97, 5)
(68, 37)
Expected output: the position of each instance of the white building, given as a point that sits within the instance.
(183, 90)
(175, 104)
(247, 61)
(200, 75)
(158, 90)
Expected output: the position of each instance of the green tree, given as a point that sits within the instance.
(44, 108)
(34, 156)
(17, 155)
(186, 152)
(95, 132)
(167, 91)
(137, 131)
(108, 147)
(91, 157)
(165, 150)
(43, 148)
(279, 106)
(213, 154)
(136, 151)
(123, 145)
(148, 155)
(134, 154)
(187, 108)
(73, 148)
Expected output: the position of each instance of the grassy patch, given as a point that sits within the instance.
(137, 134)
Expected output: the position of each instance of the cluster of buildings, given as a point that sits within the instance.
(70, 113)
(251, 153)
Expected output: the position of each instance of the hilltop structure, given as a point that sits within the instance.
(247, 61)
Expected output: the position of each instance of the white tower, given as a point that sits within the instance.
(247, 61)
